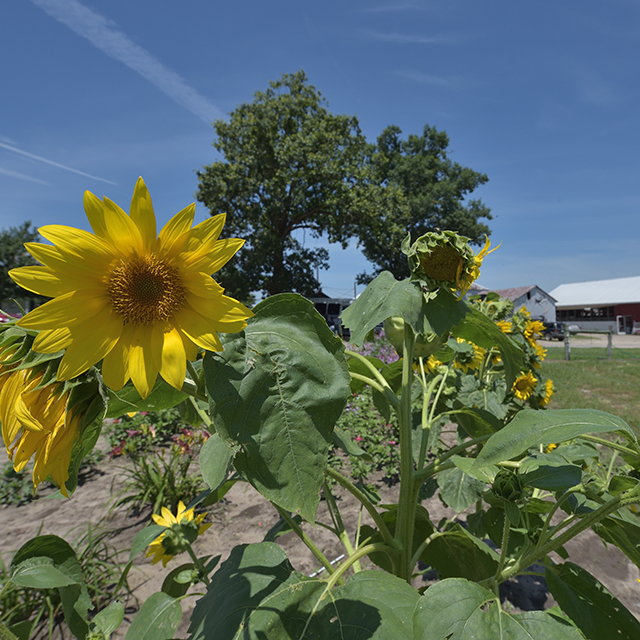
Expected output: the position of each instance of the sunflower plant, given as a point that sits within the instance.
(137, 321)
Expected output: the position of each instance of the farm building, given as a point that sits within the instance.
(601, 304)
(540, 304)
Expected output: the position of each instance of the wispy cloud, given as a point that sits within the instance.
(52, 163)
(405, 38)
(22, 176)
(109, 38)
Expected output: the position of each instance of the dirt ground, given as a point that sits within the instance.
(245, 517)
(581, 340)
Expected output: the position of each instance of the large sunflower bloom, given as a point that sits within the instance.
(184, 518)
(142, 304)
(524, 386)
(35, 423)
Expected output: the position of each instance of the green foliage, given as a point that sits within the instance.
(430, 193)
(13, 255)
(289, 164)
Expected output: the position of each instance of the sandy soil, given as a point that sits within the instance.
(245, 517)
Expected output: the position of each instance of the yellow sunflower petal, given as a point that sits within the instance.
(89, 346)
(203, 528)
(142, 214)
(52, 340)
(168, 516)
(115, 370)
(173, 360)
(224, 314)
(181, 509)
(58, 261)
(214, 258)
(66, 310)
(197, 328)
(84, 246)
(121, 230)
(145, 352)
(46, 282)
(175, 228)
(161, 521)
(202, 285)
(197, 242)
(94, 208)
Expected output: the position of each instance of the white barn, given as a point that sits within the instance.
(540, 304)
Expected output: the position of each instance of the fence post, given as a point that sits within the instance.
(567, 343)
(609, 344)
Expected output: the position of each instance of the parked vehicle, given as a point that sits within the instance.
(553, 331)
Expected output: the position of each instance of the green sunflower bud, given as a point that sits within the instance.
(425, 345)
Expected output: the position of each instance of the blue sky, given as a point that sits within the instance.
(543, 97)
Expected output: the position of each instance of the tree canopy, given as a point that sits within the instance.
(289, 164)
(433, 190)
(12, 255)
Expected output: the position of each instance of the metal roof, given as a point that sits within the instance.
(598, 292)
(517, 292)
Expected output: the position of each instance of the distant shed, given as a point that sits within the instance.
(540, 304)
(601, 304)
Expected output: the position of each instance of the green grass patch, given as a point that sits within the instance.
(590, 381)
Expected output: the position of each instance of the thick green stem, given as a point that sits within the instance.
(190, 388)
(392, 397)
(360, 553)
(305, 538)
(503, 552)
(406, 502)
(364, 501)
(610, 444)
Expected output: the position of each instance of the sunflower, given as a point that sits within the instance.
(35, 422)
(472, 274)
(524, 385)
(182, 530)
(470, 358)
(142, 304)
(505, 326)
(548, 392)
(532, 330)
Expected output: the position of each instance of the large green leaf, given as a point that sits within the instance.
(597, 612)
(385, 297)
(456, 609)
(215, 458)
(458, 489)
(458, 553)
(40, 573)
(256, 595)
(276, 393)
(549, 471)
(623, 534)
(477, 328)
(531, 428)
(144, 538)
(157, 619)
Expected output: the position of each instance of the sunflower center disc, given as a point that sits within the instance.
(442, 263)
(145, 290)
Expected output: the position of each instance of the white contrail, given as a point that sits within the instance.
(22, 176)
(52, 163)
(108, 37)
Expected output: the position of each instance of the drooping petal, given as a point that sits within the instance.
(197, 328)
(89, 346)
(144, 354)
(66, 310)
(121, 230)
(174, 229)
(46, 282)
(173, 360)
(141, 212)
(115, 366)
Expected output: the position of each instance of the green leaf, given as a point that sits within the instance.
(173, 586)
(549, 471)
(256, 595)
(476, 422)
(477, 328)
(109, 619)
(458, 489)
(456, 609)
(357, 366)
(484, 474)
(22, 630)
(276, 393)
(40, 573)
(458, 553)
(596, 612)
(342, 440)
(619, 484)
(623, 534)
(162, 396)
(385, 297)
(144, 538)
(157, 619)
(531, 428)
(215, 458)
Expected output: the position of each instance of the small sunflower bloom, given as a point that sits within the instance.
(550, 447)
(533, 330)
(524, 385)
(471, 359)
(548, 392)
(182, 530)
(36, 423)
(505, 326)
(141, 303)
